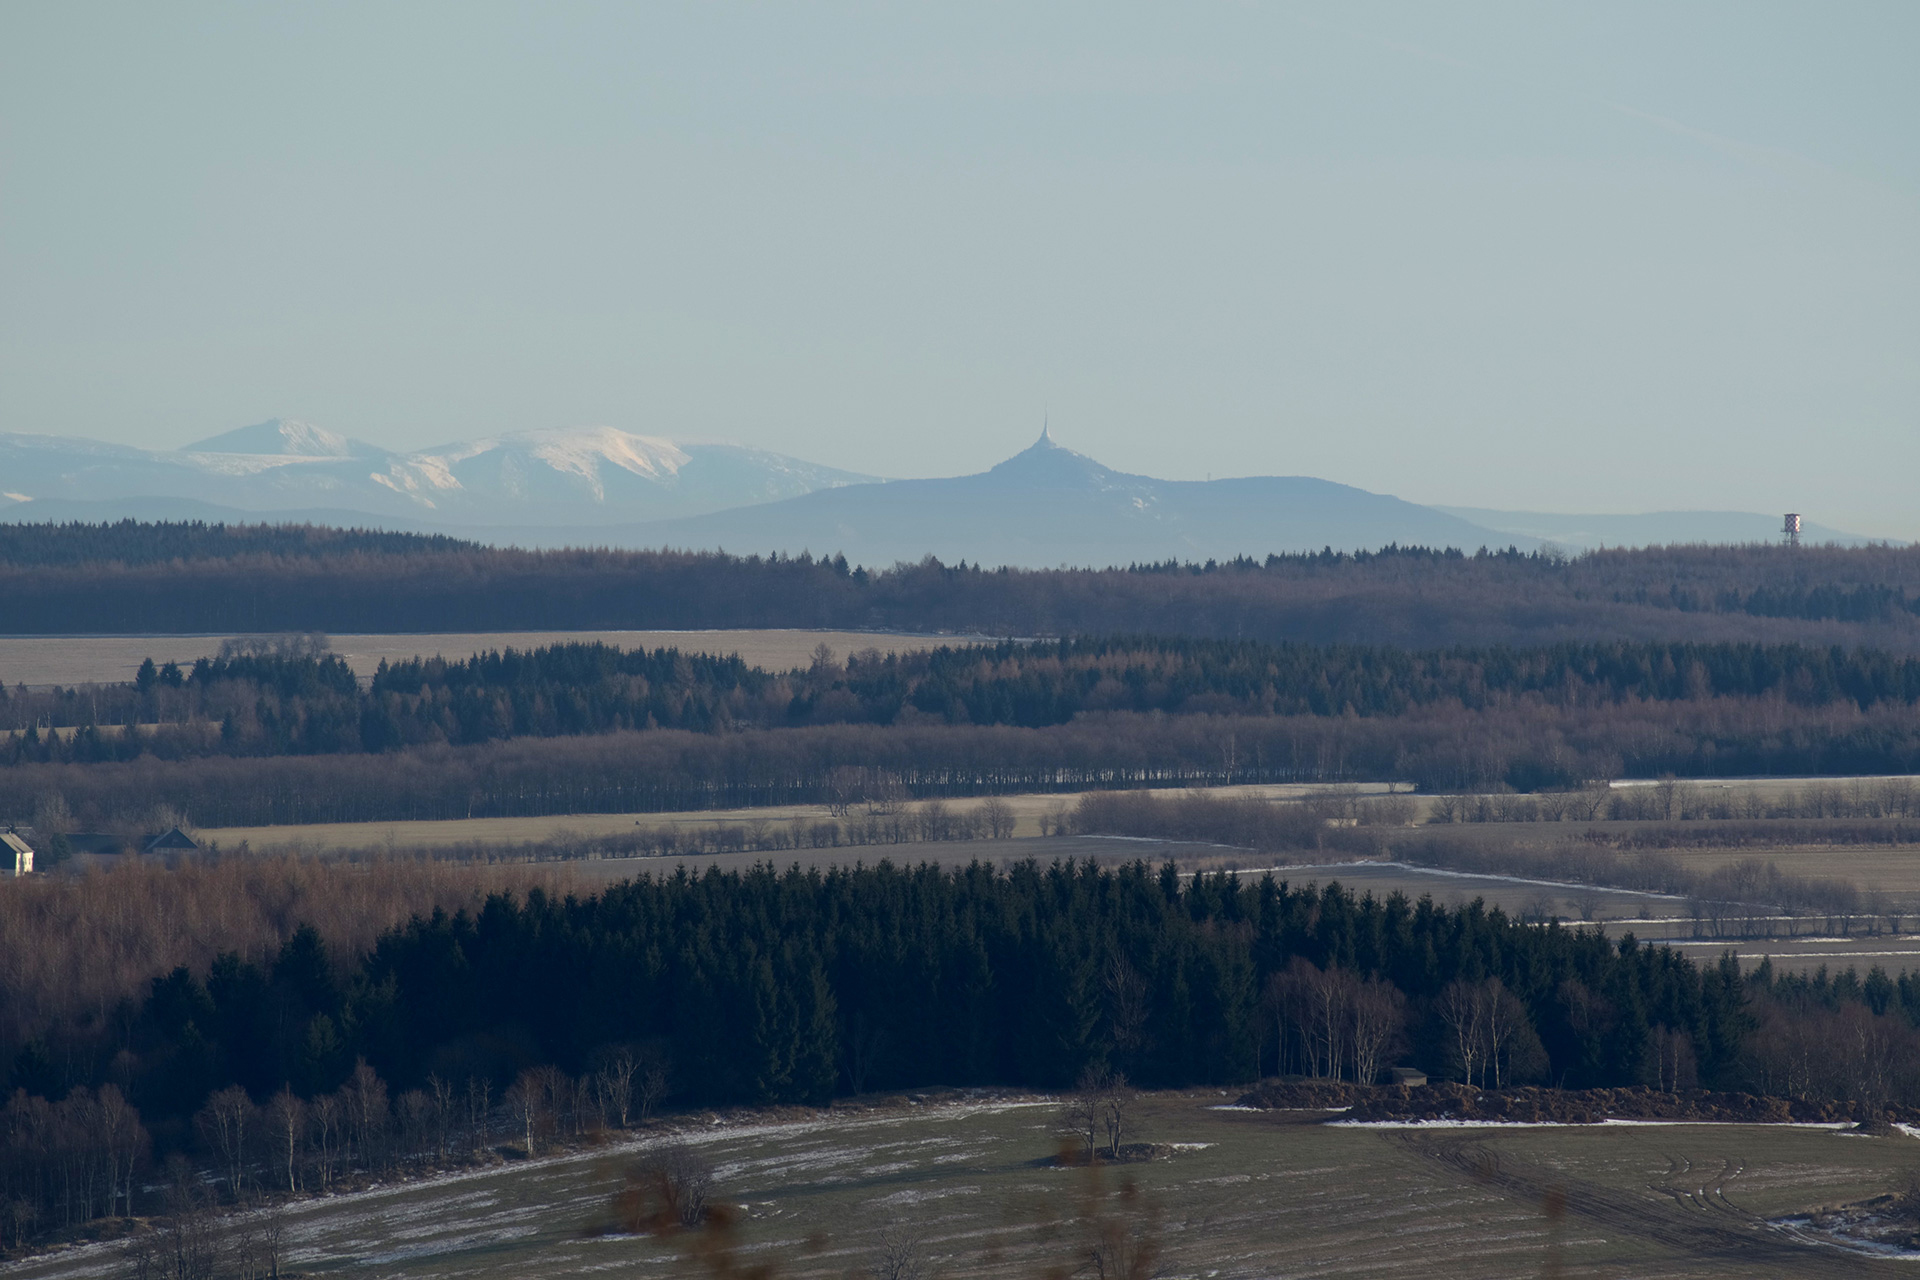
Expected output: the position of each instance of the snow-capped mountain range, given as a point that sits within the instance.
(1047, 505)
(283, 468)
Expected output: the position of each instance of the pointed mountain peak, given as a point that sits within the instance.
(1046, 463)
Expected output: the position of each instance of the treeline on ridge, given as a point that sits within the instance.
(1525, 748)
(265, 704)
(135, 578)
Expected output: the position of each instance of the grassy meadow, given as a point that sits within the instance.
(75, 660)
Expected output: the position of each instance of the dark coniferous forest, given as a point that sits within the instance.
(188, 578)
(799, 987)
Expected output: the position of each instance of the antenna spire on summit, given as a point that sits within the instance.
(1046, 436)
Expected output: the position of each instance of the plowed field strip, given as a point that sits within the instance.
(1737, 1238)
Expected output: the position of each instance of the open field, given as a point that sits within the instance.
(513, 832)
(1891, 869)
(1899, 953)
(1246, 1194)
(1514, 895)
(71, 660)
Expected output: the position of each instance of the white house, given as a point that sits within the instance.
(16, 855)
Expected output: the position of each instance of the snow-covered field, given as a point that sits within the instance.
(1243, 1194)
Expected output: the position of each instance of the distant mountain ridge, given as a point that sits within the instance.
(579, 476)
(555, 487)
(1049, 505)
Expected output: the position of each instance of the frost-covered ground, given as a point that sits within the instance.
(1873, 1230)
(1245, 1194)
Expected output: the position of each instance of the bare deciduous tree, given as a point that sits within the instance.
(442, 1093)
(363, 1104)
(286, 1125)
(479, 1111)
(1099, 1106)
(1489, 1032)
(224, 1124)
(325, 1122)
(1673, 1062)
(902, 1255)
(676, 1182)
(526, 1100)
(416, 1113)
(613, 1082)
(654, 1081)
(1116, 1112)
(1461, 1007)
(1080, 1109)
(1378, 1013)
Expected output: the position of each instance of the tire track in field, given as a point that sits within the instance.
(1707, 1226)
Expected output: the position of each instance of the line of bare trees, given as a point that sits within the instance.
(1446, 750)
(75, 947)
(891, 822)
(292, 1144)
(1844, 1052)
(1332, 1024)
(1490, 1037)
(189, 1236)
(67, 1162)
(1099, 1112)
(1670, 800)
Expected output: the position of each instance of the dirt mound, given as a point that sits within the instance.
(1130, 1153)
(1448, 1101)
(1304, 1095)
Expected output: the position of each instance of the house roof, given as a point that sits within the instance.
(172, 838)
(14, 843)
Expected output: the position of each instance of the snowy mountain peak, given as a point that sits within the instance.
(581, 451)
(561, 476)
(282, 437)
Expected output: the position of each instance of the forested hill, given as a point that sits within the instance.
(768, 988)
(140, 542)
(266, 705)
(198, 579)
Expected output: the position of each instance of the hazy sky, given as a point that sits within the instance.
(1610, 257)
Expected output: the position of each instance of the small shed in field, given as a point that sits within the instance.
(1409, 1076)
(16, 855)
(171, 840)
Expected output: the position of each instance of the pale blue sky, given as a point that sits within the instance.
(1608, 257)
